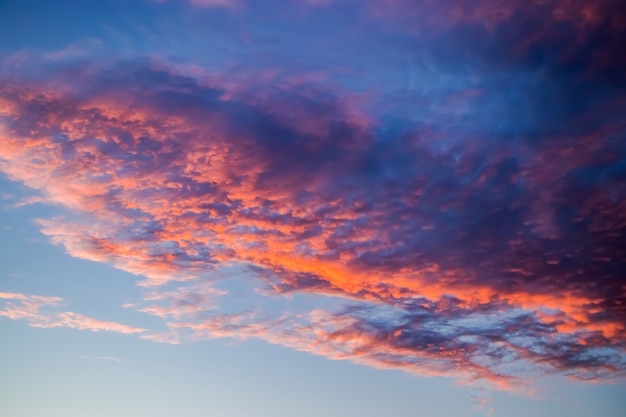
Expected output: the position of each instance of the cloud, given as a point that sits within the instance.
(109, 359)
(471, 225)
(183, 301)
(226, 4)
(104, 358)
(74, 50)
(503, 345)
(39, 311)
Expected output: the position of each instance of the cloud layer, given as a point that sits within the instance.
(469, 220)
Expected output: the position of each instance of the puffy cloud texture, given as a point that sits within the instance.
(467, 221)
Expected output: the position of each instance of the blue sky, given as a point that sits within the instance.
(312, 208)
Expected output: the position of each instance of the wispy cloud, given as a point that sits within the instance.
(104, 358)
(109, 359)
(45, 312)
(181, 302)
(225, 4)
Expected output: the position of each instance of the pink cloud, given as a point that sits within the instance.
(39, 311)
(170, 177)
(181, 302)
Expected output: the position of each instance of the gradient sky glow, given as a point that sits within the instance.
(327, 208)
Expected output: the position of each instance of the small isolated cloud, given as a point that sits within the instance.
(103, 358)
(77, 49)
(224, 4)
(109, 359)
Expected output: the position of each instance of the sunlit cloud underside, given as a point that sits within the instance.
(470, 223)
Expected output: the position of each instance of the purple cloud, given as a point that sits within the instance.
(469, 222)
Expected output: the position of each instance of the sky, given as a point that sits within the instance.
(329, 208)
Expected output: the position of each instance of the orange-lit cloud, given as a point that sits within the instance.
(473, 229)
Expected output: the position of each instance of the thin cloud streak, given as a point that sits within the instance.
(40, 311)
